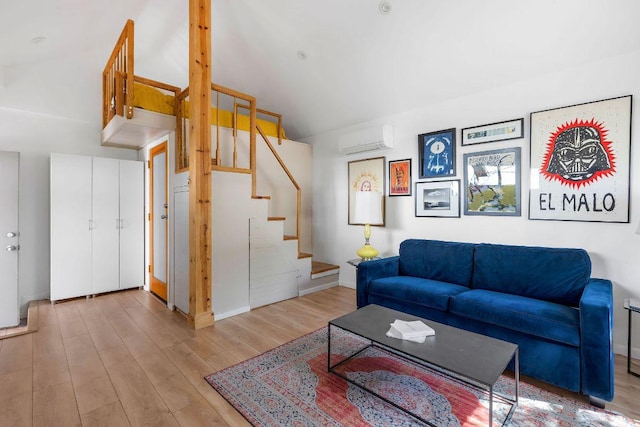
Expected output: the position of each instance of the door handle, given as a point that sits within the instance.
(163, 217)
(12, 248)
(11, 234)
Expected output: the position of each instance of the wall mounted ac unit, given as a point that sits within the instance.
(368, 139)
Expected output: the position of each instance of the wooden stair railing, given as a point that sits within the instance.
(293, 181)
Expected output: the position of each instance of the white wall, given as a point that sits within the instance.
(614, 248)
(35, 137)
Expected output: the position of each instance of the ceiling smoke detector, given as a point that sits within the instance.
(384, 7)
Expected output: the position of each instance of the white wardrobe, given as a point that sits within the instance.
(97, 225)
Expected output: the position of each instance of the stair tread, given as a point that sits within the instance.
(304, 255)
(290, 237)
(321, 267)
(262, 197)
(276, 218)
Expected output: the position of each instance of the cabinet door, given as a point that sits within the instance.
(131, 224)
(70, 226)
(106, 225)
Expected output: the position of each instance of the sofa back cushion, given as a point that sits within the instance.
(552, 274)
(450, 262)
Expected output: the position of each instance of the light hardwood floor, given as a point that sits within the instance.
(124, 359)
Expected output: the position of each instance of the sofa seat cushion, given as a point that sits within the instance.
(554, 322)
(415, 290)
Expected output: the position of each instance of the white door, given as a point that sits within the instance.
(70, 226)
(105, 225)
(9, 166)
(131, 224)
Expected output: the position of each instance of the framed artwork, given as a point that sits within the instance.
(492, 182)
(493, 132)
(366, 175)
(580, 162)
(438, 199)
(400, 177)
(437, 153)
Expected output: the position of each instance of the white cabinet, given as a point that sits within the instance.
(70, 226)
(97, 225)
(131, 225)
(105, 202)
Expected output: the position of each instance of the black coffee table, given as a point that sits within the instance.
(476, 359)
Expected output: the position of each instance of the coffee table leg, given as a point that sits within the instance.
(490, 406)
(329, 348)
(517, 369)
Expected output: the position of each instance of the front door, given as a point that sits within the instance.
(158, 217)
(9, 243)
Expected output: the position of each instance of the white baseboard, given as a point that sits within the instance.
(317, 289)
(621, 349)
(231, 313)
(347, 284)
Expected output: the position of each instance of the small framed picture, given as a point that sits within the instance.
(502, 131)
(438, 199)
(400, 177)
(437, 153)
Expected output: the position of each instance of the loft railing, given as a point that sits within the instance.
(117, 78)
(182, 140)
(182, 115)
(278, 117)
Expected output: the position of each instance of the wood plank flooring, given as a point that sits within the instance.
(124, 359)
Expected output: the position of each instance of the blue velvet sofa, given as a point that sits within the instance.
(542, 299)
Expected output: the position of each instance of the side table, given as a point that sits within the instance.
(357, 261)
(631, 305)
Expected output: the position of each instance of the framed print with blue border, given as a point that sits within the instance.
(437, 153)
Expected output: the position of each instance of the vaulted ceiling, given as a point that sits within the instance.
(328, 64)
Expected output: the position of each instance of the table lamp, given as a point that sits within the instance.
(368, 210)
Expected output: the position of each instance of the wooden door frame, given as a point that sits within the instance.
(154, 151)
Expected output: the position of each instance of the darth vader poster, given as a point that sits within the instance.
(580, 162)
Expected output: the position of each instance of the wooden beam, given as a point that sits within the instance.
(200, 313)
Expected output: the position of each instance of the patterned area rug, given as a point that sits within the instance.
(290, 386)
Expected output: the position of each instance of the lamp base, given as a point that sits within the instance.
(367, 252)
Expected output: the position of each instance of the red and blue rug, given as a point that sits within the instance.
(290, 386)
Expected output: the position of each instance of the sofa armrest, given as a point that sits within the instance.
(371, 270)
(596, 338)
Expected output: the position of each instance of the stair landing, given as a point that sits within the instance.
(321, 269)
